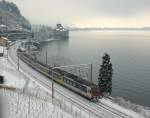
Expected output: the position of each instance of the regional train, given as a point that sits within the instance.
(77, 84)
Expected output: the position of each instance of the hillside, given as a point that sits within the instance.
(10, 15)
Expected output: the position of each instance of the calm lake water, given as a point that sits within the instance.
(129, 52)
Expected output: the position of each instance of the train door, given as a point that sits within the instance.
(89, 92)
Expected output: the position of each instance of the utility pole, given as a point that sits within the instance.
(3, 51)
(1, 20)
(91, 72)
(46, 57)
(7, 48)
(6, 21)
(6, 24)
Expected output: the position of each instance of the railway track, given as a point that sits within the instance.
(99, 110)
(115, 111)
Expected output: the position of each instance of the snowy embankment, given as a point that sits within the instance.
(119, 101)
(12, 77)
(19, 105)
(127, 107)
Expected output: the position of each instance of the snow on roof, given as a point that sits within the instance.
(4, 38)
(2, 25)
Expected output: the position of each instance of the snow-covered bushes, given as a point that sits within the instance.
(24, 106)
(127, 104)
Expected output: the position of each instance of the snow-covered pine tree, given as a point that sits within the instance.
(105, 75)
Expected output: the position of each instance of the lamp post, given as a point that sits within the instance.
(46, 57)
(52, 84)
(91, 71)
(19, 55)
(51, 75)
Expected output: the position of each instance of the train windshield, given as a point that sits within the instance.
(95, 90)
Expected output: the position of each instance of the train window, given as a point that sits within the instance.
(94, 89)
(56, 75)
(89, 91)
(65, 80)
(71, 82)
(83, 88)
(77, 85)
(74, 84)
(50, 72)
(59, 77)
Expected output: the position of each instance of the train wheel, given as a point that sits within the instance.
(95, 99)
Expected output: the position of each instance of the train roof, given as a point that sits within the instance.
(76, 78)
(67, 74)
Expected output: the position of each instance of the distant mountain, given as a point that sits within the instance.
(94, 28)
(146, 28)
(10, 15)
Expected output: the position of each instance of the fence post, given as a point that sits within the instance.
(71, 107)
(80, 112)
(91, 71)
(18, 61)
(89, 115)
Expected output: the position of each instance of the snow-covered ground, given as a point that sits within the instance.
(12, 77)
(18, 105)
(140, 109)
(145, 111)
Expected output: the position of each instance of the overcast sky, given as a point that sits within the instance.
(87, 13)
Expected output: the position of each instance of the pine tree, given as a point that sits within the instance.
(105, 75)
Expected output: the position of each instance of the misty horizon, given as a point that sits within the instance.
(87, 13)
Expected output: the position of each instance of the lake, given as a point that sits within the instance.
(129, 52)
